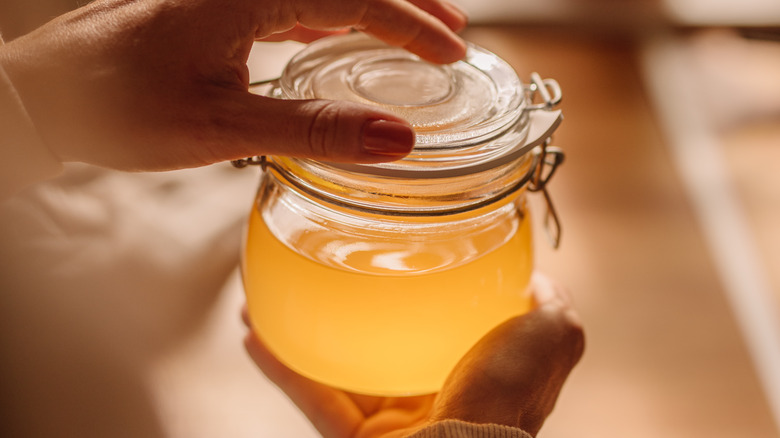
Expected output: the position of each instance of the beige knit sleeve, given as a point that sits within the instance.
(24, 158)
(462, 429)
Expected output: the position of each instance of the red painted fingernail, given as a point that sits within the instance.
(384, 137)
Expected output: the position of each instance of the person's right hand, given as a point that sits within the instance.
(162, 84)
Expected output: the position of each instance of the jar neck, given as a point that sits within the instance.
(405, 196)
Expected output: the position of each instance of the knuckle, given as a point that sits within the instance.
(576, 339)
(323, 129)
(572, 336)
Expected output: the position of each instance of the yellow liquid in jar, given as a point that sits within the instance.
(391, 335)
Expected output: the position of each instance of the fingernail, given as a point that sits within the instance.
(383, 137)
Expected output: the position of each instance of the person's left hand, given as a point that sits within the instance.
(162, 84)
(512, 377)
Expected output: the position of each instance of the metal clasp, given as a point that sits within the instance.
(548, 94)
(261, 161)
(550, 157)
(547, 89)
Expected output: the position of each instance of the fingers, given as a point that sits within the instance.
(335, 131)
(402, 24)
(426, 27)
(514, 374)
(450, 14)
(336, 413)
(245, 317)
(323, 130)
(330, 411)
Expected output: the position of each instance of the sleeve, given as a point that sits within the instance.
(24, 158)
(462, 429)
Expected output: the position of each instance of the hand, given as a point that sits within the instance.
(511, 377)
(162, 84)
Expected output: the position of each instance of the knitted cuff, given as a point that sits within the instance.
(462, 429)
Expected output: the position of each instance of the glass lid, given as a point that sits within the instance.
(449, 106)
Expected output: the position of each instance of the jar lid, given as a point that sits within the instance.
(469, 116)
(448, 105)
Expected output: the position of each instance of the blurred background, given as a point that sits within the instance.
(669, 200)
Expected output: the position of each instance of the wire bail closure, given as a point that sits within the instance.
(547, 158)
(550, 157)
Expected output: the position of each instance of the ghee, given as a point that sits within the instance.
(398, 327)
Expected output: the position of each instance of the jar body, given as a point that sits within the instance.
(377, 304)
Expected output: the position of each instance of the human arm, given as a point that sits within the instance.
(162, 84)
(506, 386)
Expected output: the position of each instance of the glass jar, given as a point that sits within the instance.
(377, 279)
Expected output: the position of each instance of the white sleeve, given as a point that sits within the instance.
(24, 158)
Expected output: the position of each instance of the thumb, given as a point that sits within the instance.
(514, 375)
(320, 129)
